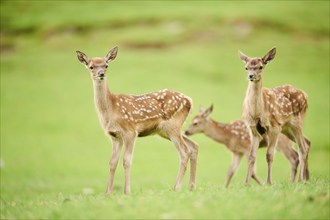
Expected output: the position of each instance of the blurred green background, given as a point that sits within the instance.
(54, 155)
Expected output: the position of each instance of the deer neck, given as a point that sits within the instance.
(254, 99)
(216, 131)
(102, 98)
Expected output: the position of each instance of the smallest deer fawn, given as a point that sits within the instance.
(271, 112)
(236, 137)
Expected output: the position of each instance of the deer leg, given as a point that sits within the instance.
(255, 140)
(303, 154)
(273, 136)
(292, 137)
(302, 162)
(291, 154)
(128, 155)
(233, 167)
(193, 160)
(184, 154)
(308, 143)
(306, 169)
(256, 178)
(116, 149)
(294, 162)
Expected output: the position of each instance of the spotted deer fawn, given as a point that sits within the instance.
(126, 117)
(236, 137)
(271, 112)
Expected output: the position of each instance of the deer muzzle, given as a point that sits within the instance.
(188, 133)
(251, 76)
(101, 75)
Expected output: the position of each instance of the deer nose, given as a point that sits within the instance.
(101, 74)
(251, 76)
(187, 133)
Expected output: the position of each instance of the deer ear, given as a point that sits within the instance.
(208, 111)
(269, 56)
(111, 55)
(243, 57)
(82, 57)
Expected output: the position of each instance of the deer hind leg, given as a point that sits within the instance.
(294, 162)
(303, 153)
(184, 153)
(116, 149)
(231, 170)
(127, 162)
(309, 146)
(256, 178)
(285, 146)
(273, 136)
(293, 157)
(291, 135)
(193, 160)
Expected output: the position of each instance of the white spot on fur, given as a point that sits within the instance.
(292, 90)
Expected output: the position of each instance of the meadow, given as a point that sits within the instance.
(54, 155)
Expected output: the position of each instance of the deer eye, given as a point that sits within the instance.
(106, 66)
(91, 67)
(195, 123)
(260, 68)
(246, 68)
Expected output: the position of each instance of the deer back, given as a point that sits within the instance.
(284, 103)
(145, 112)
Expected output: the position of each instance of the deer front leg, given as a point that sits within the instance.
(127, 162)
(233, 167)
(193, 160)
(273, 136)
(184, 153)
(116, 149)
(255, 140)
(255, 177)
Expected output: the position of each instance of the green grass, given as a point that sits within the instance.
(55, 154)
(208, 200)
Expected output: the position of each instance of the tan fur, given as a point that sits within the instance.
(273, 111)
(236, 137)
(126, 117)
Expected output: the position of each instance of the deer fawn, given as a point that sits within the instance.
(126, 117)
(236, 137)
(271, 112)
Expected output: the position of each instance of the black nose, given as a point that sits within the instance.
(250, 76)
(101, 74)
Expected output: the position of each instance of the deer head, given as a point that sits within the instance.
(254, 66)
(97, 66)
(199, 122)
